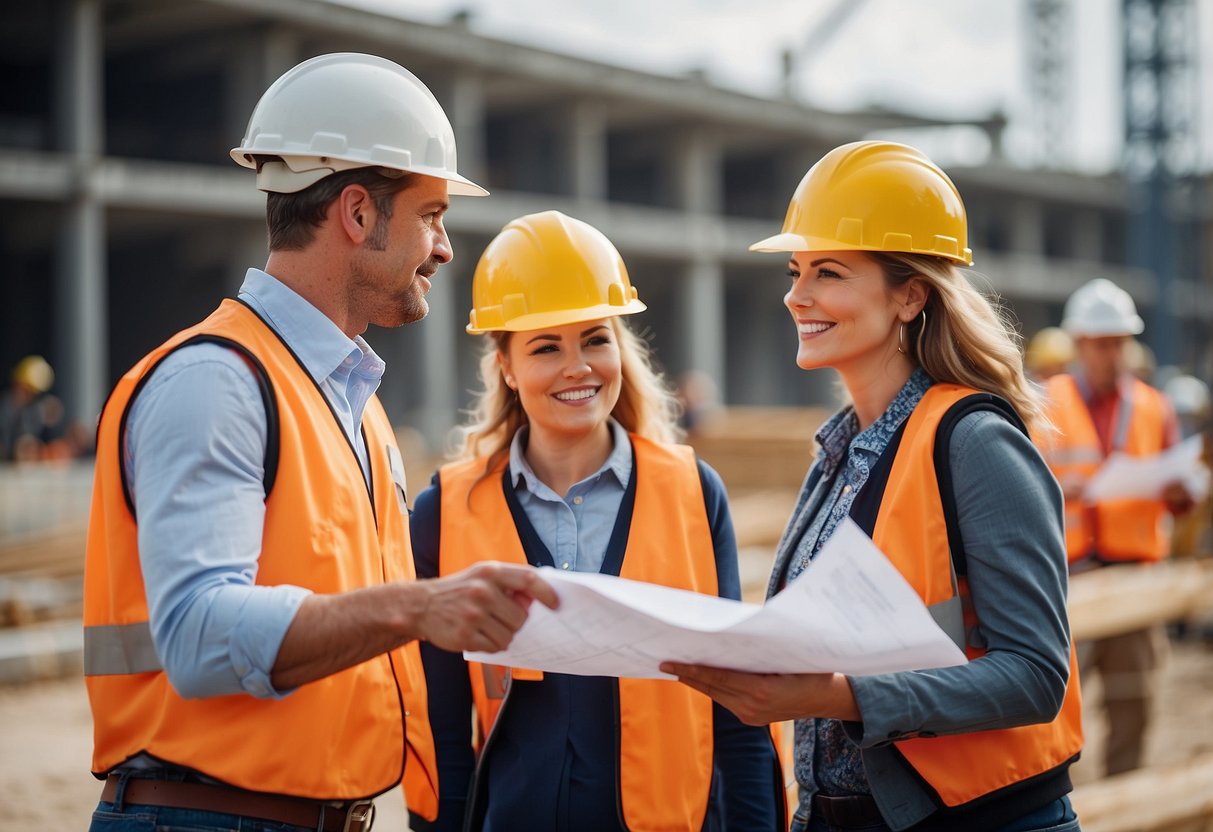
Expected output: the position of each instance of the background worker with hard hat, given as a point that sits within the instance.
(30, 416)
(1103, 408)
(1048, 353)
(568, 463)
(932, 459)
(251, 615)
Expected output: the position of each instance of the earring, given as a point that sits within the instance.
(901, 339)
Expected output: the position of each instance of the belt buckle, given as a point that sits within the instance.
(359, 817)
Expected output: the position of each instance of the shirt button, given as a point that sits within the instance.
(846, 489)
(564, 566)
(804, 562)
(577, 500)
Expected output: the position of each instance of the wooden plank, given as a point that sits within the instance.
(1121, 599)
(1162, 797)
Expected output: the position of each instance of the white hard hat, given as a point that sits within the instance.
(344, 111)
(1101, 308)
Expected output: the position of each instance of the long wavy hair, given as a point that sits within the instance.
(646, 405)
(966, 338)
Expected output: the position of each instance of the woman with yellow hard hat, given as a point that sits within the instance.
(568, 463)
(931, 458)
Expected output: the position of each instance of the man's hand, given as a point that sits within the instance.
(481, 607)
(477, 609)
(762, 698)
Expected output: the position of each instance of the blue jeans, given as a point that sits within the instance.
(1057, 816)
(122, 816)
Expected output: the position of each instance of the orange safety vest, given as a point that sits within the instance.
(911, 529)
(1115, 530)
(343, 737)
(665, 748)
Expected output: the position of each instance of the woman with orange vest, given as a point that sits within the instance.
(931, 458)
(569, 463)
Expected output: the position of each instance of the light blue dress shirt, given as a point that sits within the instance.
(577, 527)
(194, 458)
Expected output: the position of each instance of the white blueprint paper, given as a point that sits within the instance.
(849, 612)
(1137, 477)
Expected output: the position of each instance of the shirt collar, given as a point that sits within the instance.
(320, 344)
(841, 431)
(618, 462)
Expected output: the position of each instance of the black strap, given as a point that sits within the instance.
(943, 468)
(537, 553)
(268, 399)
(866, 504)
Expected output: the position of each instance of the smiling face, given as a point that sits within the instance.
(567, 378)
(847, 318)
(390, 275)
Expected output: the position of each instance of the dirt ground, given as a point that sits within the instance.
(46, 740)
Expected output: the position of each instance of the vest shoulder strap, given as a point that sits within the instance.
(268, 399)
(943, 468)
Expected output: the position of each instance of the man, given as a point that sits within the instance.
(251, 613)
(1100, 409)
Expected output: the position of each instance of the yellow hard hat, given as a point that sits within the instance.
(546, 270)
(875, 196)
(1051, 347)
(33, 372)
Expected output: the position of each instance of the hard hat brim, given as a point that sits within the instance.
(1136, 326)
(782, 242)
(296, 173)
(547, 320)
(798, 242)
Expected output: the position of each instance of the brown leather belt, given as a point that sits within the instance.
(353, 816)
(850, 812)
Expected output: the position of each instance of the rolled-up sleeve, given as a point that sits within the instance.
(194, 456)
(1010, 513)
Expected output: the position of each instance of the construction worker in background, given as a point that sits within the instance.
(1049, 352)
(1103, 408)
(568, 463)
(31, 417)
(251, 615)
(876, 233)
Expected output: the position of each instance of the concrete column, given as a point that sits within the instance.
(587, 151)
(440, 343)
(1027, 228)
(697, 175)
(82, 336)
(1086, 235)
(466, 112)
(702, 291)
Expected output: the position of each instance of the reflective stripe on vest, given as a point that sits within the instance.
(912, 531)
(665, 767)
(1130, 530)
(114, 649)
(341, 737)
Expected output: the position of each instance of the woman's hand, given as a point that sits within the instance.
(762, 698)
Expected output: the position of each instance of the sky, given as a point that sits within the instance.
(977, 62)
